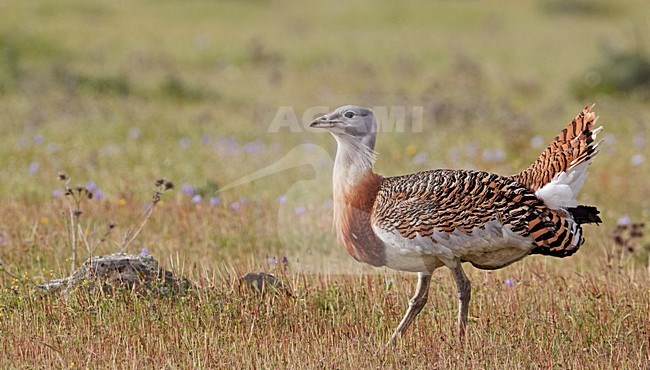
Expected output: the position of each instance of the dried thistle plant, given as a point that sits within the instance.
(75, 199)
(77, 196)
(161, 186)
(628, 240)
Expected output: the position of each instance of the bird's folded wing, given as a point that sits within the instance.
(453, 202)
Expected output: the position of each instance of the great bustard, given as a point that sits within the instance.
(426, 220)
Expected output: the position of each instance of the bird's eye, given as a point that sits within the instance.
(349, 114)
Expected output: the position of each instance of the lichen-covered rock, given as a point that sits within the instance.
(140, 272)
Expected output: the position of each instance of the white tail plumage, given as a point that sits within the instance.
(559, 173)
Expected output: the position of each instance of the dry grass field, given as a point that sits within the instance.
(208, 94)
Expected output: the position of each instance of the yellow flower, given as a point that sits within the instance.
(121, 202)
(411, 149)
(44, 220)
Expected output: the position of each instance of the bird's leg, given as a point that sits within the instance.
(415, 305)
(464, 293)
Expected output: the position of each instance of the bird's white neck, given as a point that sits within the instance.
(355, 190)
(353, 160)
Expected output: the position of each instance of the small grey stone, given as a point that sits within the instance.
(261, 282)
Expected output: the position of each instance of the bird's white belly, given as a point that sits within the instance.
(493, 246)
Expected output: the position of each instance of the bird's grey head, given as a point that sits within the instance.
(350, 122)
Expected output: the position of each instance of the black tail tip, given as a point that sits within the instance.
(585, 215)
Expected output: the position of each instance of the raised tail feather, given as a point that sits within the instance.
(572, 149)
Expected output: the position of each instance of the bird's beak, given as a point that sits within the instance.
(324, 122)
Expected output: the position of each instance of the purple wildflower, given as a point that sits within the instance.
(184, 142)
(33, 167)
(272, 260)
(90, 185)
(98, 194)
(197, 198)
(510, 282)
(470, 149)
(144, 252)
(624, 220)
(282, 199)
(188, 189)
(254, 147)
(215, 200)
(38, 139)
(56, 193)
(328, 203)
(637, 159)
(493, 155)
(134, 133)
(420, 158)
(300, 211)
(537, 141)
(235, 206)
